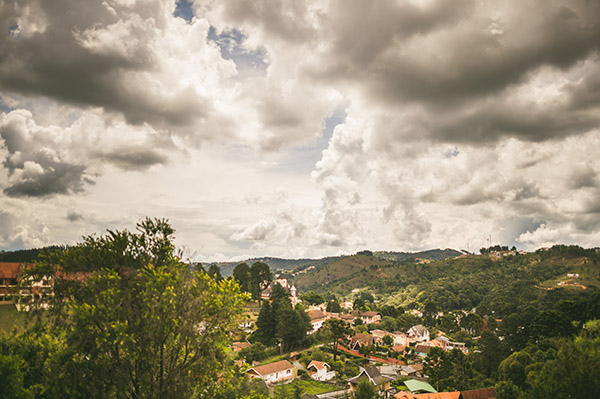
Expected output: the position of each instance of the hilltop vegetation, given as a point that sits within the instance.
(500, 283)
(26, 255)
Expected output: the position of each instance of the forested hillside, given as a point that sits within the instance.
(25, 255)
(501, 283)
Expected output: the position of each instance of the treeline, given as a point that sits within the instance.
(27, 255)
(127, 320)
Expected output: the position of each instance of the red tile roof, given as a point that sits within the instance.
(10, 270)
(485, 393)
(271, 368)
(315, 314)
(317, 364)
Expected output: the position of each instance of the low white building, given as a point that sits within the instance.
(418, 333)
(274, 372)
(320, 371)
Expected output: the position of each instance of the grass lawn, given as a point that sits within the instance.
(312, 387)
(10, 318)
(308, 386)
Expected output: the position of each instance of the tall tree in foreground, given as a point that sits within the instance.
(136, 322)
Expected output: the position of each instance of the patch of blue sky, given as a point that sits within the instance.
(452, 153)
(183, 9)
(303, 159)
(4, 107)
(249, 62)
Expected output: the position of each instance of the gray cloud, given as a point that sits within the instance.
(73, 216)
(35, 167)
(476, 57)
(134, 158)
(69, 56)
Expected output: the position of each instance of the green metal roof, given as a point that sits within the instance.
(416, 385)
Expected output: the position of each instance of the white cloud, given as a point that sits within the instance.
(462, 121)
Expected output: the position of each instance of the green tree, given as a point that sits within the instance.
(137, 322)
(266, 324)
(513, 368)
(260, 277)
(291, 328)
(336, 329)
(430, 313)
(333, 307)
(11, 378)
(312, 298)
(388, 340)
(472, 322)
(575, 373)
(215, 272)
(365, 390)
(491, 353)
(449, 371)
(241, 274)
(359, 304)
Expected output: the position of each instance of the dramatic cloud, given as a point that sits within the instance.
(292, 128)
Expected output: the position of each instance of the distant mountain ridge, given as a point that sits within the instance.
(289, 265)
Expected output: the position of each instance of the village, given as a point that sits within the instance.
(391, 361)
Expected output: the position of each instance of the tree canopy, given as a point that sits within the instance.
(130, 320)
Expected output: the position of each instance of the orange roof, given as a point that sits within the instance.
(437, 395)
(317, 364)
(484, 393)
(242, 345)
(271, 368)
(9, 270)
(398, 348)
(315, 314)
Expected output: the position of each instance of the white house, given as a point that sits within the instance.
(317, 318)
(400, 338)
(370, 317)
(418, 333)
(320, 371)
(274, 372)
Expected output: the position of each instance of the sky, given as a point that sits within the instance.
(301, 128)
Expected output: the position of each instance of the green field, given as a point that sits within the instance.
(10, 318)
(308, 386)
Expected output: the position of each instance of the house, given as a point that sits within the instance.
(400, 338)
(360, 340)
(418, 333)
(419, 386)
(347, 305)
(398, 348)
(317, 318)
(408, 371)
(320, 371)
(282, 280)
(436, 395)
(422, 350)
(13, 284)
(484, 393)
(372, 374)
(370, 317)
(379, 334)
(238, 346)
(274, 372)
(9, 278)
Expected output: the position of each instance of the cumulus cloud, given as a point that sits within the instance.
(36, 167)
(463, 119)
